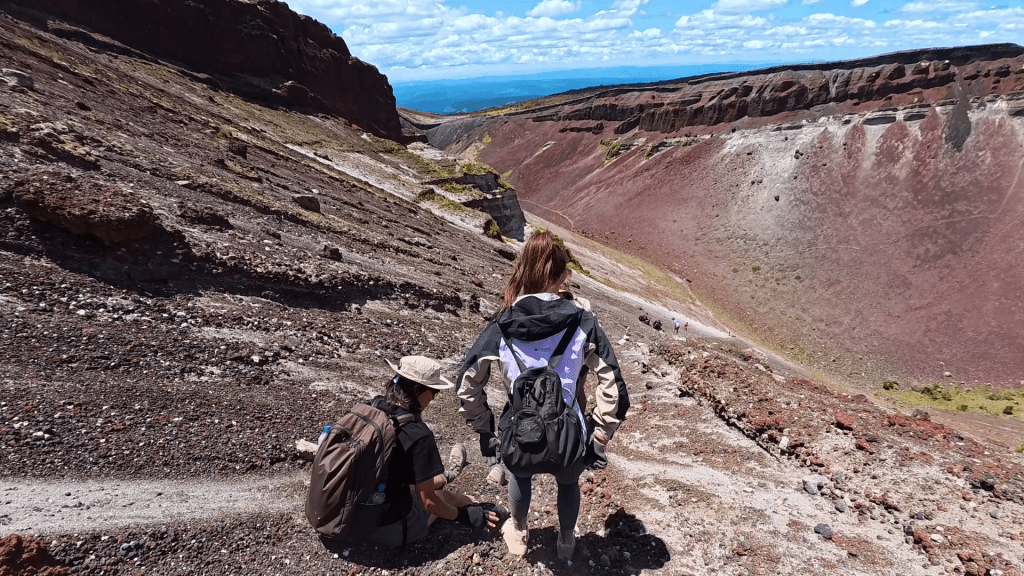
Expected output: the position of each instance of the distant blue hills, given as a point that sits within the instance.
(449, 96)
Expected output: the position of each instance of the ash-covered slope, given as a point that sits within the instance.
(864, 215)
(261, 49)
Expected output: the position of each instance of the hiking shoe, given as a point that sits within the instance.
(497, 475)
(457, 459)
(515, 532)
(566, 549)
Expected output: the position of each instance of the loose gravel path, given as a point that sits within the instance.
(53, 508)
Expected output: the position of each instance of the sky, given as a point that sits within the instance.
(433, 39)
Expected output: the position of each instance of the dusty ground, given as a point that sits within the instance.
(174, 320)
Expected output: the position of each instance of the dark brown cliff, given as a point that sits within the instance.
(259, 48)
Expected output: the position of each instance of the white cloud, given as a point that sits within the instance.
(435, 36)
(746, 5)
(858, 3)
(709, 19)
(939, 6)
(806, 2)
(553, 8)
(648, 34)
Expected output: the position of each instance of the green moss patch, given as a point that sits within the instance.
(994, 402)
(612, 148)
(428, 195)
(492, 230)
(472, 167)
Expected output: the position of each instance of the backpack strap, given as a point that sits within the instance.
(556, 355)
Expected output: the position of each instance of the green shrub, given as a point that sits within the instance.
(890, 385)
(224, 132)
(755, 269)
(947, 396)
(472, 167)
(1008, 410)
(1021, 449)
(962, 408)
(492, 230)
(614, 150)
(487, 139)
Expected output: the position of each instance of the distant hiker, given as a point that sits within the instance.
(414, 495)
(540, 342)
(656, 325)
(675, 322)
(686, 327)
(644, 318)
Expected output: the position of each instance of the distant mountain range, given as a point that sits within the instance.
(444, 96)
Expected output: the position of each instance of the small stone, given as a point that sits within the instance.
(997, 514)
(813, 484)
(937, 538)
(844, 421)
(307, 202)
(477, 559)
(841, 505)
(824, 530)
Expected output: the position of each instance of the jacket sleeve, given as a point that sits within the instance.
(472, 383)
(611, 396)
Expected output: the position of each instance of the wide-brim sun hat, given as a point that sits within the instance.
(422, 370)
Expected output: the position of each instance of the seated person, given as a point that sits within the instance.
(415, 496)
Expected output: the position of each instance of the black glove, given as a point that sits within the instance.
(472, 516)
(489, 446)
(597, 458)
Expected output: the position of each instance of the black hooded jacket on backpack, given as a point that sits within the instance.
(535, 323)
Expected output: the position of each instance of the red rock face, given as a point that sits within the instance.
(868, 220)
(27, 556)
(260, 48)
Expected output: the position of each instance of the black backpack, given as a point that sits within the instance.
(346, 488)
(539, 432)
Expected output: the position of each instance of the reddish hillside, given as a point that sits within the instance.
(865, 216)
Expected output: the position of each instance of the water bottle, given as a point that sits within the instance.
(323, 435)
(378, 496)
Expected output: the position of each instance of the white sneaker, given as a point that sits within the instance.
(515, 535)
(566, 549)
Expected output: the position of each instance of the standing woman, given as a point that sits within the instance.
(536, 323)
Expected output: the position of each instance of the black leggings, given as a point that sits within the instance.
(520, 492)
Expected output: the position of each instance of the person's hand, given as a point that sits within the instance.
(495, 514)
(489, 446)
(474, 516)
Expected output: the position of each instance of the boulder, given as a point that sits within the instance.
(85, 204)
(307, 202)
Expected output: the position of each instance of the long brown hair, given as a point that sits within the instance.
(542, 262)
